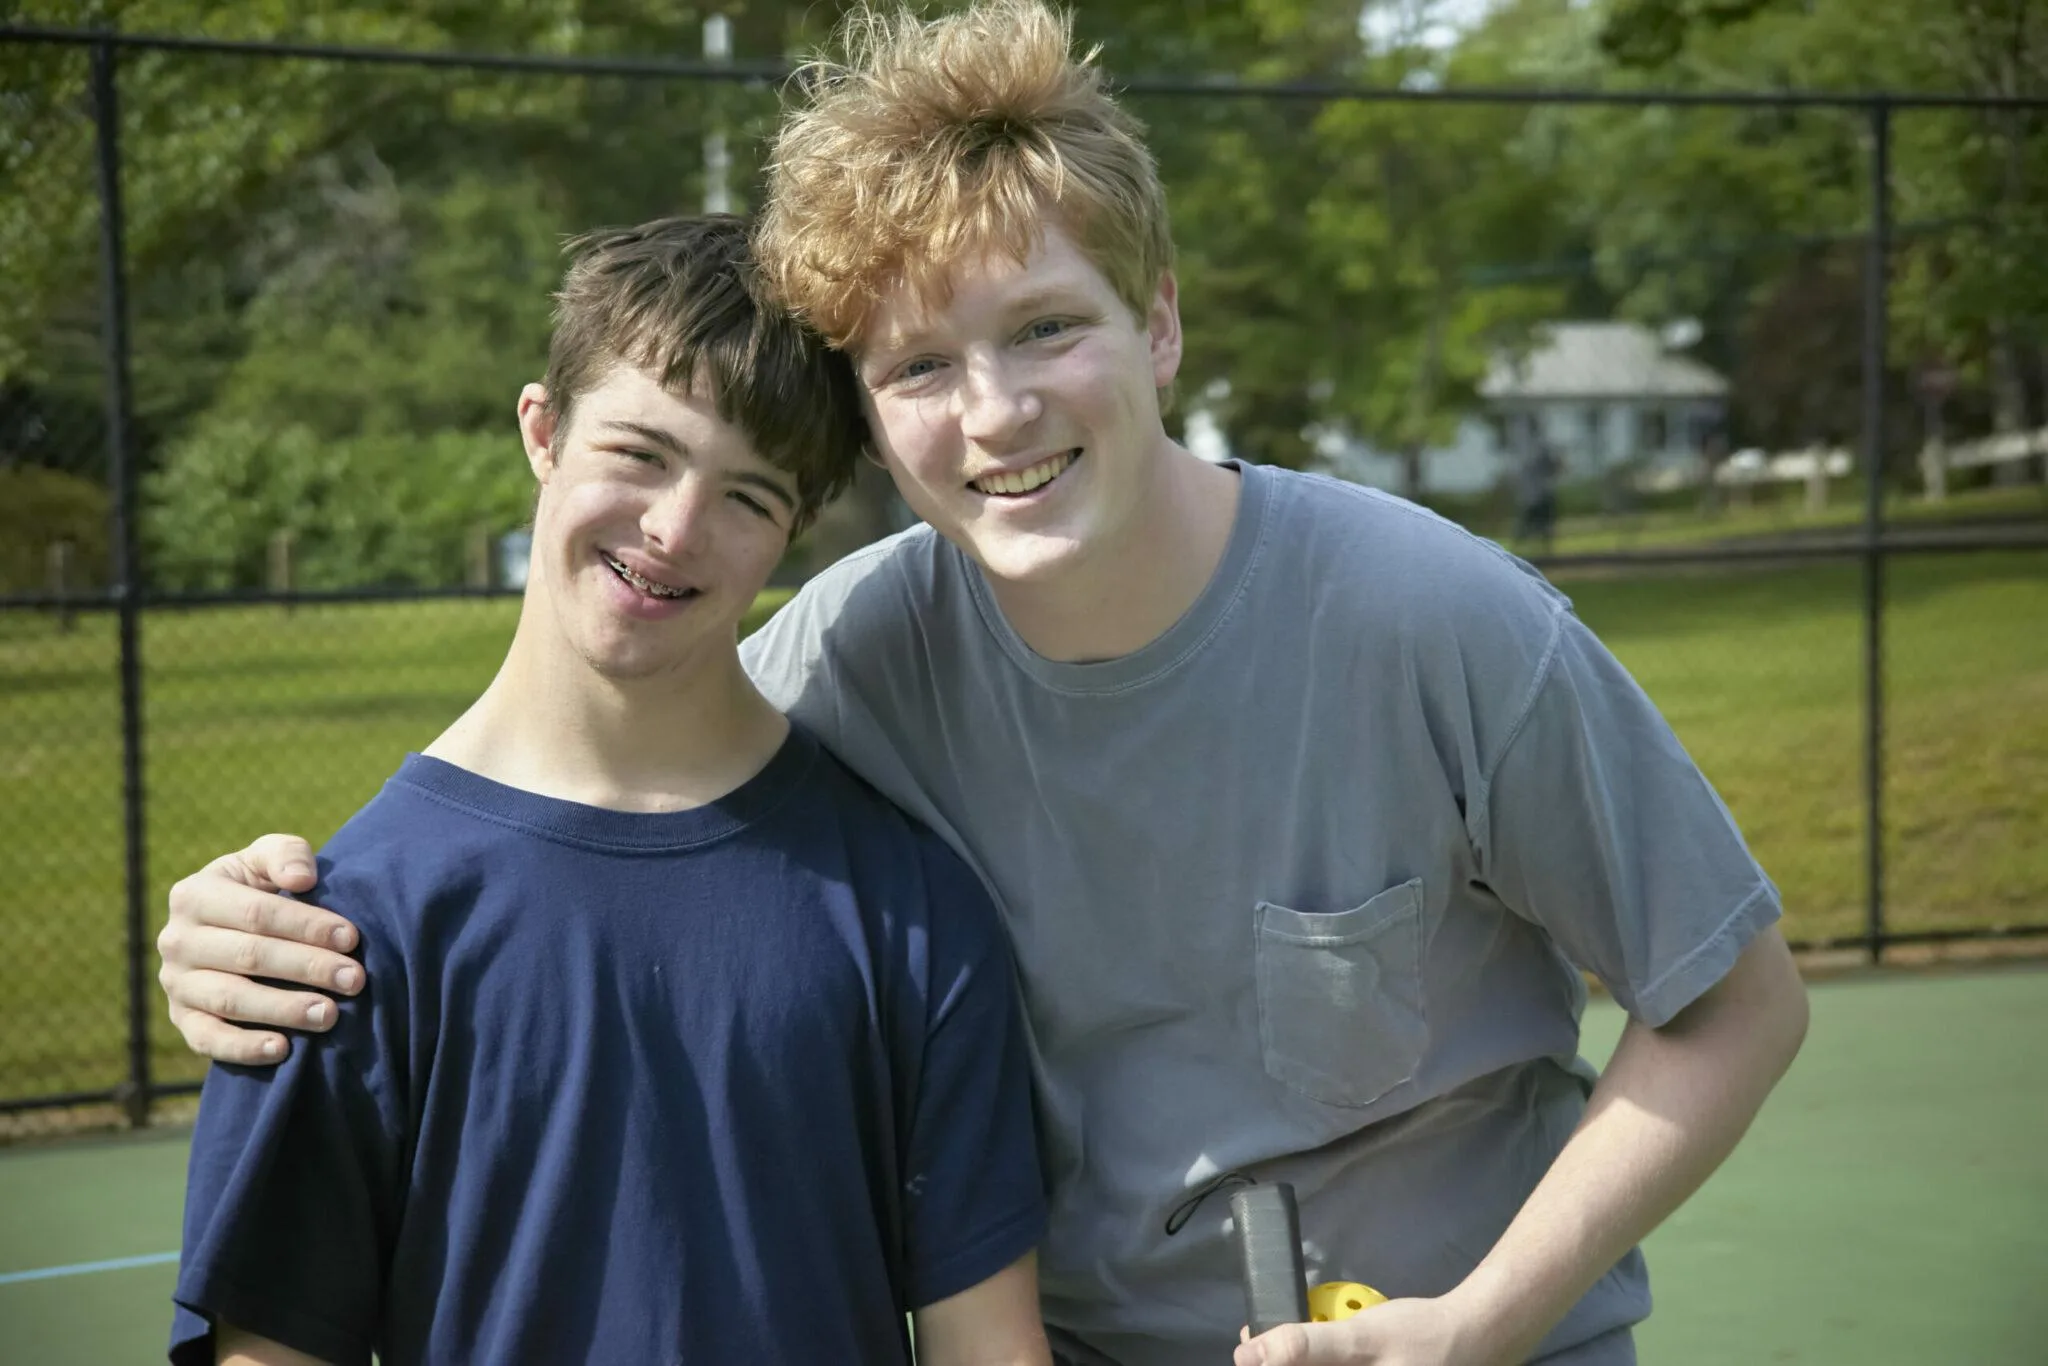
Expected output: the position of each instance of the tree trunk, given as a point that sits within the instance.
(1411, 471)
(2008, 387)
(1427, 381)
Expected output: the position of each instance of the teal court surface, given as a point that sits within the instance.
(1889, 1209)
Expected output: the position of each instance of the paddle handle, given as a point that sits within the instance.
(1269, 1251)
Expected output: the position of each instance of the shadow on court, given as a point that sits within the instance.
(1889, 1209)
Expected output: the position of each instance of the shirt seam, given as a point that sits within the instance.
(202, 1299)
(1402, 507)
(1647, 999)
(1482, 804)
(1028, 1217)
(557, 836)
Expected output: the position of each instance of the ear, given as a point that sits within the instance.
(1162, 322)
(537, 429)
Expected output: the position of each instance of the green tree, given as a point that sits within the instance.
(1969, 197)
(375, 509)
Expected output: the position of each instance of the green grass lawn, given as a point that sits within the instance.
(261, 719)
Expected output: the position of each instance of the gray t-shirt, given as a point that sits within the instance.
(1298, 888)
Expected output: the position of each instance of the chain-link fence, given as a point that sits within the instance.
(1773, 410)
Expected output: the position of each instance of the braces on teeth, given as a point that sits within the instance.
(647, 586)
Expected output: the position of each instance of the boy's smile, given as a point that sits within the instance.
(649, 591)
(1016, 484)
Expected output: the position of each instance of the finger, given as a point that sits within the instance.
(284, 861)
(225, 996)
(207, 899)
(202, 948)
(224, 1042)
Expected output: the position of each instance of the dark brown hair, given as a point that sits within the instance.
(680, 298)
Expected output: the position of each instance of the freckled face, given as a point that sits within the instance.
(1021, 417)
(658, 524)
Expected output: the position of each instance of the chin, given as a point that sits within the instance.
(624, 666)
(623, 660)
(1028, 559)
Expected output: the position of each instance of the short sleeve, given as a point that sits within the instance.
(974, 1200)
(295, 1183)
(1597, 826)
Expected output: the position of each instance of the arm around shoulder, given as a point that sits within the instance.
(995, 1323)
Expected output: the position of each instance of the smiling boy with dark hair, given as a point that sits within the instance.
(681, 1044)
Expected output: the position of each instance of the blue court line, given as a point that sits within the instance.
(51, 1273)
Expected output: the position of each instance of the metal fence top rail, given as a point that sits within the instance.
(1215, 86)
(1848, 544)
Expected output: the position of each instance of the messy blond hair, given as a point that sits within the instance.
(934, 142)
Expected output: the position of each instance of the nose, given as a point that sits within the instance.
(676, 520)
(998, 401)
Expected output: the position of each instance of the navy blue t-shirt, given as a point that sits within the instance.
(742, 1083)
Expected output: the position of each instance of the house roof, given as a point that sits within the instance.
(1599, 360)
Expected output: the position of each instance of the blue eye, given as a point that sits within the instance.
(1045, 327)
(917, 369)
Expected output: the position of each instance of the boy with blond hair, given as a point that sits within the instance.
(681, 1044)
(1304, 809)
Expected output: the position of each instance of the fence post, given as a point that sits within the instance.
(1876, 300)
(127, 578)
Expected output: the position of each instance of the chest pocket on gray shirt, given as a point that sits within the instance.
(1341, 1015)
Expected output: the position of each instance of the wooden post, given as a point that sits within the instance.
(60, 554)
(280, 579)
(1817, 482)
(479, 558)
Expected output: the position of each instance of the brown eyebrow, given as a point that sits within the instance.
(767, 485)
(1055, 296)
(652, 435)
(667, 440)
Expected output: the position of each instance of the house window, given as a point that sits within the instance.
(1705, 429)
(1506, 431)
(1653, 433)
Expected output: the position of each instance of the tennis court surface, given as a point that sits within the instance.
(1890, 1208)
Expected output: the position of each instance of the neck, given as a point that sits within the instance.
(1127, 592)
(551, 724)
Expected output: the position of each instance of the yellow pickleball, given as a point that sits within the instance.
(1335, 1300)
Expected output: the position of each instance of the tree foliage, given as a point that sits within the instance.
(336, 263)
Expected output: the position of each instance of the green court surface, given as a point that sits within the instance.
(1889, 1209)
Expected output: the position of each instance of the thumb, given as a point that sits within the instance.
(1293, 1344)
(279, 863)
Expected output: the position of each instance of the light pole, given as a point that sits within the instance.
(717, 160)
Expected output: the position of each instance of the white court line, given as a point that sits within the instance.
(51, 1273)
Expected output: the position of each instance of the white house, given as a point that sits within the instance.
(1604, 397)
